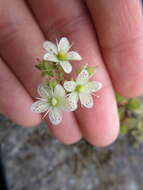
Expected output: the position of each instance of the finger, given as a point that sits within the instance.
(120, 33)
(14, 100)
(72, 21)
(20, 45)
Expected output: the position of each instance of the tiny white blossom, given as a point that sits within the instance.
(51, 101)
(60, 54)
(81, 89)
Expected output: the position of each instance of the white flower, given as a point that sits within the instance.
(60, 54)
(81, 89)
(52, 102)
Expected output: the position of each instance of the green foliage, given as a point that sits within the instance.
(61, 73)
(121, 112)
(124, 129)
(120, 99)
(91, 70)
(52, 83)
(137, 133)
(50, 69)
(46, 68)
(131, 118)
(133, 104)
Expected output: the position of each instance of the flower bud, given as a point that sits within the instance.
(91, 70)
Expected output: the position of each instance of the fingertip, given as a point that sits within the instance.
(105, 140)
(130, 90)
(70, 141)
(67, 132)
(103, 123)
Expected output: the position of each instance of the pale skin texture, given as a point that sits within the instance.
(106, 33)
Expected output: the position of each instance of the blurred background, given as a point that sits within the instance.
(33, 159)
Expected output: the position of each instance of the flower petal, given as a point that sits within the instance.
(50, 47)
(50, 57)
(71, 102)
(66, 66)
(82, 77)
(64, 45)
(72, 55)
(55, 116)
(69, 86)
(40, 106)
(93, 86)
(59, 91)
(43, 91)
(86, 100)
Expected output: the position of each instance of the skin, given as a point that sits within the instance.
(106, 33)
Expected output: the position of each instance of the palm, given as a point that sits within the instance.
(112, 40)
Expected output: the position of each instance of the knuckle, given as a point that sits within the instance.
(132, 88)
(67, 26)
(123, 45)
(9, 31)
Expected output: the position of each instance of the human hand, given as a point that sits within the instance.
(106, 33)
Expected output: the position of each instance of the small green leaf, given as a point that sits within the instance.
(47, 73)
(121, 112)
(53, 83)
(39, 66)
(44, 65)
(134, 104)
(123, 129)
(91, 70)
(120, 99)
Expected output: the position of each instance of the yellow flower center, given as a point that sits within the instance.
(80, 88)
(54, 101)
(61, 56)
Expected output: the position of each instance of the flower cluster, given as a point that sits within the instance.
(56, 93)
